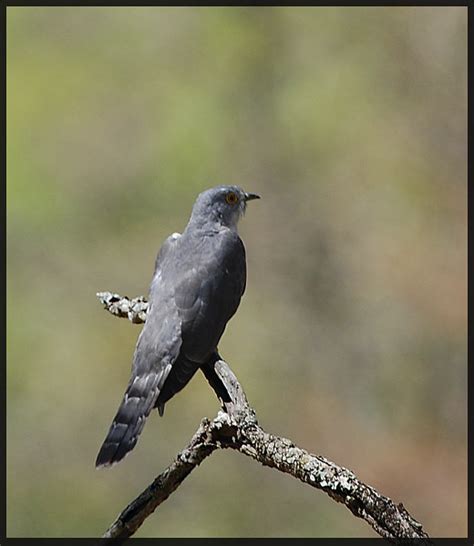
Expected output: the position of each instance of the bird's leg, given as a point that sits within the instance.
(216, 382)
(228, 389)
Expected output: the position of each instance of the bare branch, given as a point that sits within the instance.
(237, 428)
(134, 309)
(200, 447)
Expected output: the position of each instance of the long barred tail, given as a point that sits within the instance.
(144, 392)
(138, 401)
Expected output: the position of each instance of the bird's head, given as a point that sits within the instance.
(223, 205)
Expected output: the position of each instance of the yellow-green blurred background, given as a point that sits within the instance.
(351, 338)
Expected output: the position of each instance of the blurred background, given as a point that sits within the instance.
(351, 338)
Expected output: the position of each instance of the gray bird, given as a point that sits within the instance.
(197, 285)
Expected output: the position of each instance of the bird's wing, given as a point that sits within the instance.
(164, 250)
(206, 295)
(209, 294)
(157, 348)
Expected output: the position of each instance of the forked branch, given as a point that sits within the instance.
(236, 427)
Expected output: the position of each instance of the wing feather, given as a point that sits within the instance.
(157, 348)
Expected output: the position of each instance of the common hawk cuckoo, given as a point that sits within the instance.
(198, 281)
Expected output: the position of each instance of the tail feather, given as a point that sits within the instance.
(129, 420)
(144, 392)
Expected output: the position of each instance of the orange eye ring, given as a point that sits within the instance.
(231, 198)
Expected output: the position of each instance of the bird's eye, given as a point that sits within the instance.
(231, 198)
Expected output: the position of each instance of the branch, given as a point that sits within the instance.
(237, 428)
(134, 309)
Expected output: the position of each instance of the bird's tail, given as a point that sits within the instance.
(138, 401)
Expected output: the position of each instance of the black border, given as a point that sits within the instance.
(261, 3)
(3, 492)
(225, 541)
(470, 398)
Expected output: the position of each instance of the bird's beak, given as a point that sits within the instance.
(250, 196)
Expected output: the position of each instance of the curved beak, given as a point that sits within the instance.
(251, 196)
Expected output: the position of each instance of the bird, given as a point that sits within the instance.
(198, 282)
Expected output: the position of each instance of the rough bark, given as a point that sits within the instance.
(236, 427)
